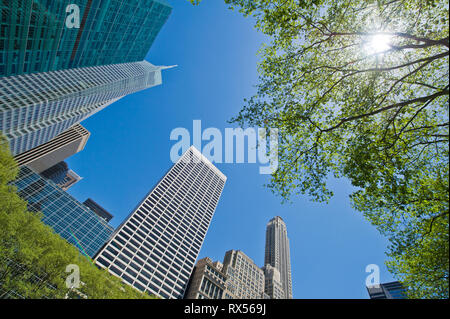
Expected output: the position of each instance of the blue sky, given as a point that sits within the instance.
(129, 151)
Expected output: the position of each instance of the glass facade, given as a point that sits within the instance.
(390, 290)
(68, 217)
(34, 108)
(57, 173)
(34, 36)
(61, 175)
(155, 249)
(99, 210)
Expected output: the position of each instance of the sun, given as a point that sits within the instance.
(378, 43)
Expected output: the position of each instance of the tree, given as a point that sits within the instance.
(33, 259)
(359, 89)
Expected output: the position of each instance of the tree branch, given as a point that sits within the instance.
(413, 101)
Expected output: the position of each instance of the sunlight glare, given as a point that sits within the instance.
(378, 43)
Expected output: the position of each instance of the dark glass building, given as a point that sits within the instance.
(390, 290)
(99, 210)
(61, 175)
(68, 217)
(34, 36)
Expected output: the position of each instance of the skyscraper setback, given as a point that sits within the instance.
(277, 253)
(272, 285)
(155, 249)
(56, 150)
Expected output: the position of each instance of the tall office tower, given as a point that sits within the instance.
(40, 36)
(56, 150)
(277, 253)
(68, 217)
(155, 249)
(61, 175)
(35, 108)
(390, 290)
(99, 210)
(245, 278)
(207, 281)
(272, 285)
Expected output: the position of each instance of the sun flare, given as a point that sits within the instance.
(378, 43)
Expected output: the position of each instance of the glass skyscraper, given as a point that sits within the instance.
(277, 253)
(34, 36)
(34, 108)
(155, 249)
(68, 217)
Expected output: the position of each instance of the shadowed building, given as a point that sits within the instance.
(61, 175)
(99, 210)
(208, 281)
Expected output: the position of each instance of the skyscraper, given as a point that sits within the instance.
(36, 36)
(56, 150)
(155, 248)
(68, 217)
(35, 108)
(61, 175)
(390, 290)
(245, 278)
(277, 253)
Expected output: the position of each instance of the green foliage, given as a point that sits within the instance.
(359, 89)
(26, 242)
